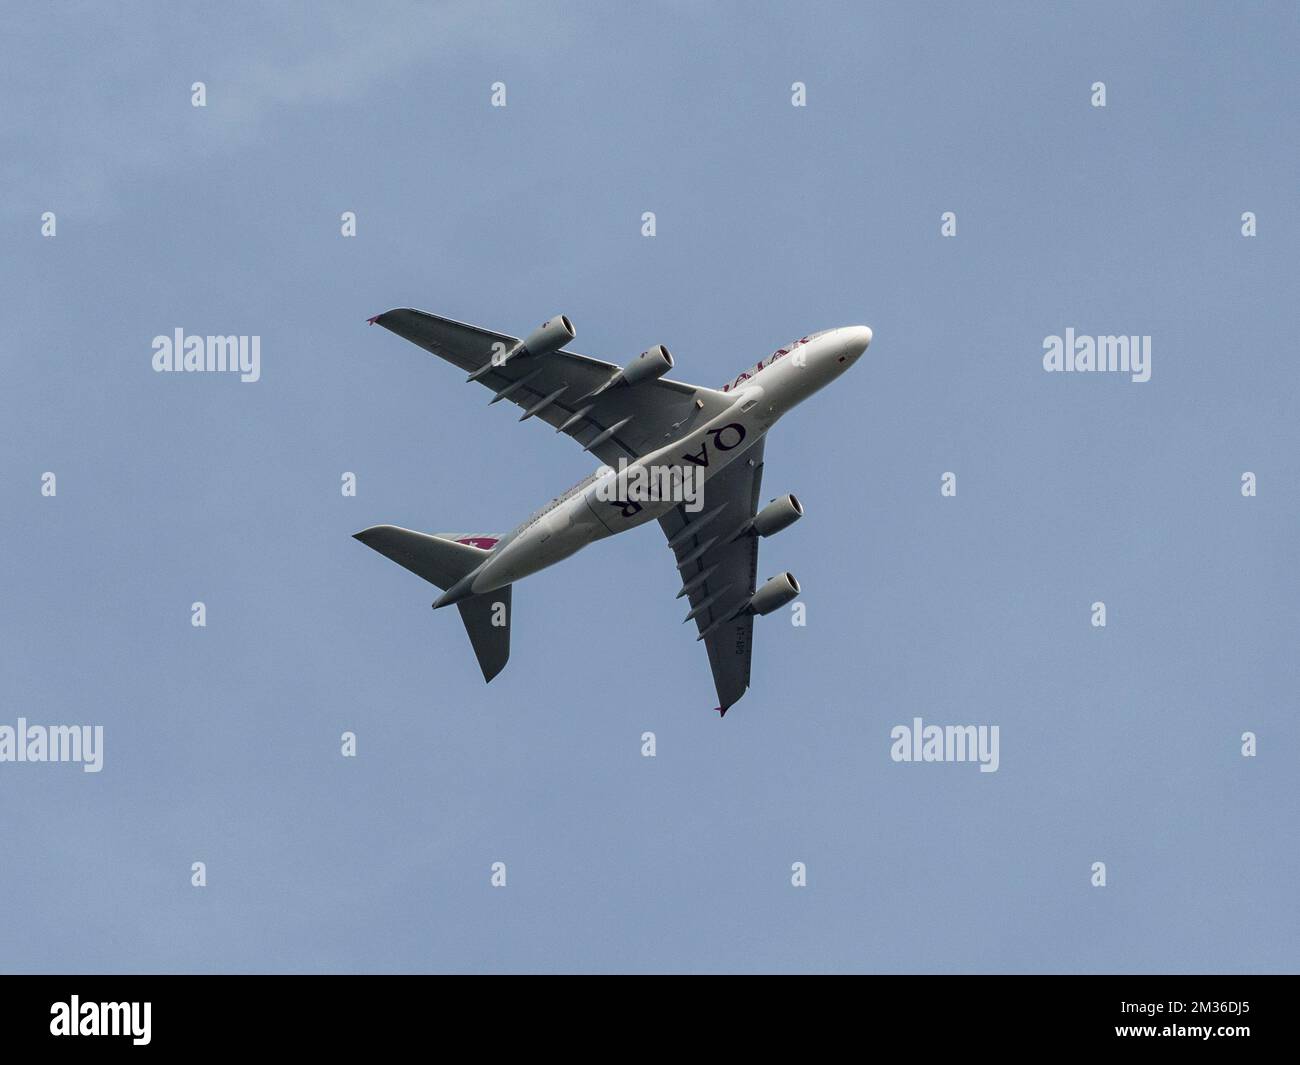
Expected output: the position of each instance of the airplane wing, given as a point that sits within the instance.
(622, 422)
(719, 573)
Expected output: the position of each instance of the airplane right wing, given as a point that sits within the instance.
(569, 392)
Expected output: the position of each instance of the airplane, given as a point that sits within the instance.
(630, 417)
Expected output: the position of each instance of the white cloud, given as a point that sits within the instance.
(97, 98)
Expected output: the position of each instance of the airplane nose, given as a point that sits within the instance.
(856, 338)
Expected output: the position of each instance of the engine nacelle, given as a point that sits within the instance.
(777, 515)
(550, 336)
(648, 366)
(775, 593)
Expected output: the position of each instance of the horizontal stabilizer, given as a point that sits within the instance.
(438, 560)
(487, 621)
(444, 560)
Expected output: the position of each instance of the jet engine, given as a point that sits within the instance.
(647, 366)
(550, 336)
(775, 593)
(777, 515)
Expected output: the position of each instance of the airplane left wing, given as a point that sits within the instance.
(719, 573)
(562, 389)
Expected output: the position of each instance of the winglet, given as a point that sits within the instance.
(372, 321)
(722, 710)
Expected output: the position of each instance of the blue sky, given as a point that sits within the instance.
(1119, 744)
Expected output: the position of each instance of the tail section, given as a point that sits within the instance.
(444, 559)
(440, 560)
(487, 620)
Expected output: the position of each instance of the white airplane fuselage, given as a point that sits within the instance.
(585, 513)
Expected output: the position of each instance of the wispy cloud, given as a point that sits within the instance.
(96, 98)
